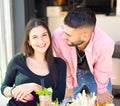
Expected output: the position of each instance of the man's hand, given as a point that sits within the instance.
(105, 97)
(69, 92)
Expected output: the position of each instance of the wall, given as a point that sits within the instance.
(19, 23)
(110, 24)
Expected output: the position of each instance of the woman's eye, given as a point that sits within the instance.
(34, 37)
(44, 35)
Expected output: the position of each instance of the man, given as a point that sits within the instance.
(87, 51)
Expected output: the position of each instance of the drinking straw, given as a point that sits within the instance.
(42, 83)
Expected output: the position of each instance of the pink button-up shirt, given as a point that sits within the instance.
(98, 53)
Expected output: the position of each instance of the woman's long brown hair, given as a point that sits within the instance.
(28, 50)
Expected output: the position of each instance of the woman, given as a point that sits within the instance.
(34, 68)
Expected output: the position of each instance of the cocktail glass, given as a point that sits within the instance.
(45, 100)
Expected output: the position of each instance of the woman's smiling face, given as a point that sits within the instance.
(39, 39)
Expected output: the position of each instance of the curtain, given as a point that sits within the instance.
(6, 35)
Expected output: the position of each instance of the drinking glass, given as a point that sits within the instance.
(45, 100)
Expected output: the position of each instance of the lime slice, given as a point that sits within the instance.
(50, 89)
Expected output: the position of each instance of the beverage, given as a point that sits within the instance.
(45, 100)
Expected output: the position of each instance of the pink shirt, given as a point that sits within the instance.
(98, 53)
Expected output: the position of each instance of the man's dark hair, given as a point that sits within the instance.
(80, 17)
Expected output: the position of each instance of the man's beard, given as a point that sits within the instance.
(76, 44)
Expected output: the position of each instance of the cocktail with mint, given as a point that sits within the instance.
(45, 96)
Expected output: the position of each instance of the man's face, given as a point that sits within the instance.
(76, 36)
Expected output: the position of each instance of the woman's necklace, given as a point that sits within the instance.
(81, 58)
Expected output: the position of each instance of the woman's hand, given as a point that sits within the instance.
(23, 92)
(28, 97)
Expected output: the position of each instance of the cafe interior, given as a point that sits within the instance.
(16, 13)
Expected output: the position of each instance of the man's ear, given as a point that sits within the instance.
(85, 37)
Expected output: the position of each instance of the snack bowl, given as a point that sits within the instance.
(104, 104)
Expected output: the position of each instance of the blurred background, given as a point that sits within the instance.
(14, 14)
